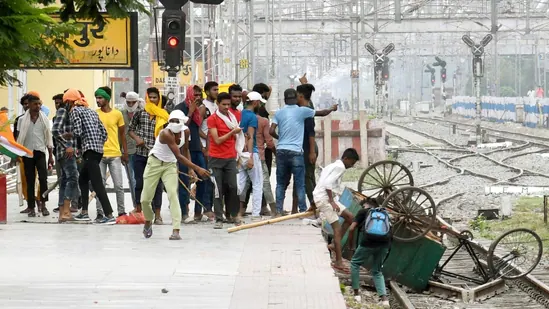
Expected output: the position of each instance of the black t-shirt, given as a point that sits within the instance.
(360, 219)
(194, 144)
(309, 132)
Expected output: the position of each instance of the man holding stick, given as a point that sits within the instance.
(162, 164)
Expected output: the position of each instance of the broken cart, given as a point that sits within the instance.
(421, 237)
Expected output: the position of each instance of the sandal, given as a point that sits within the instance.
(65, 220)
(147, 232)
(340, 269)
(175, 237)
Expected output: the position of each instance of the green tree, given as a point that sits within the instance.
(31, 38)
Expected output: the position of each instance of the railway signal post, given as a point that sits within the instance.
(381, 73)
(478, 72)
(442, 64)
(173, 43)
(433, 80)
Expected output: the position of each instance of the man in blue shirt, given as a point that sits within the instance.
(290, 121)
(251, 168)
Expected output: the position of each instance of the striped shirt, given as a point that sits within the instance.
(62, 125)
(86, 124)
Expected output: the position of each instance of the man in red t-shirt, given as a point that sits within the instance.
(223, 159)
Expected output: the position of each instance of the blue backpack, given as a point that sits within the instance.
(377, 226)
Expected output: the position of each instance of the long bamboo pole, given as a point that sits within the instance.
(270, 221)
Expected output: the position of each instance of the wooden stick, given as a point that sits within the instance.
(270, 221)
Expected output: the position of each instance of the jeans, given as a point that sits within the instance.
(183, 194)
(32, 165)
(267, 190)
(91, 172)
(154, 171)
(287, 163)
(115, 167)
(204, 187)
(255, 175)
(378, 255)
(131, 181)
(310, 178)
(139, 164)
(68, 182)
(224, 171)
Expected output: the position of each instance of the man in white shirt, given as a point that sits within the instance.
(323, 195)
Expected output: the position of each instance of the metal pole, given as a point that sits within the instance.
(494, 18)
(193, 53)
(251, 76)
(235, 42)
(202, 43)
(478, 107)
(267, 14)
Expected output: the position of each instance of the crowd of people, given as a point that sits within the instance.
(223, 143)
(225, 138)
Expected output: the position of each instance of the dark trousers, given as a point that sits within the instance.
(269, 159)
(139, 164)
(224, 171)
(183, 194)
(310, 180)
(91, 172)
(203, 188)
(36, 163)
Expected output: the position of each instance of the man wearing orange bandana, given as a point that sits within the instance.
(144, 127)
(86, 125)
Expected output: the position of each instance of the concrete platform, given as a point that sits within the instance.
(90, 266)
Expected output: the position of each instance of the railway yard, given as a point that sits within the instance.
(466, 185)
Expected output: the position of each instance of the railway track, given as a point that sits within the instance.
(518, 137)
(524, 293)
(477, 170)
(494, 164)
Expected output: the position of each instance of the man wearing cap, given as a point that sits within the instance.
(113, 121)
(251, 168)
(290, 122)
(129, 110)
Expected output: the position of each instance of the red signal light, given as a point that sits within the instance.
(173, 42)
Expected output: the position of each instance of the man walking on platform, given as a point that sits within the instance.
(86, 125)
(113, 121)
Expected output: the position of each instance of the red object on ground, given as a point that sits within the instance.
(3, 200)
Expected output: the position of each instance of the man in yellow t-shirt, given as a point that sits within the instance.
(113, 121)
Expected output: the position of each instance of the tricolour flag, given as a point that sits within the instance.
(8, 146)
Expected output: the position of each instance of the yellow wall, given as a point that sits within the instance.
(51, 82)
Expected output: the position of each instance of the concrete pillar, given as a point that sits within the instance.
(327, 140)
(363, 123)
(376, 142)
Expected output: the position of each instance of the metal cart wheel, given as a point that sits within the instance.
(514, 254)
(451, 242)
(411, 209)
(383, 177)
